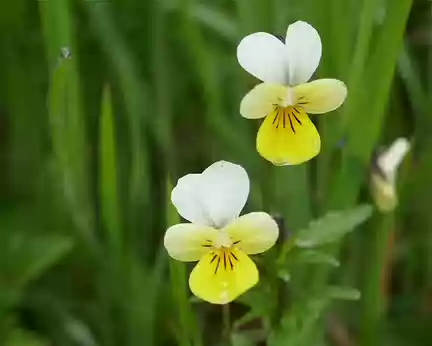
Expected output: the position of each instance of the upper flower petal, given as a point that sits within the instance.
(263, 56)
(221, 276)
(186, 197)
(225, 189)
(288, 137)
(303, 45)
(261, 100)
(189, 242)
(321, 95)
(253, 233)
(213, 198)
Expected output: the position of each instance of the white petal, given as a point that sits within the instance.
(186, 198)
(260, 101)
(264, 56)
(303, 45)
(213, 198)
(390, 159)
(253, 233)
(188, 242)
(224, 191)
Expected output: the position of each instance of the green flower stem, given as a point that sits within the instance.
(226, 323)
(180, 299)
(188, 333)
(373, 290)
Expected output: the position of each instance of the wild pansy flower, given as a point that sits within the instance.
(287, 136)
(384, 174)
(217, 236)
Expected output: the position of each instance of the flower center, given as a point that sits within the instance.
(224, 259)
(222, 240)
(287, 117)
(221, 243)
(290, 99)
(222, 252)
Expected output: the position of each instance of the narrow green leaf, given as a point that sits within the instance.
(216, 20)
(138, 106)
(65, 111)
(108, 188)
(25, 258)
(173, 217)
(187, 333)
(41, 254)
(332, 226)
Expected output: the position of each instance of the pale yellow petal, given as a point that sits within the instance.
(321, 95)
(222, 275)
(189, 242)
(288, 137)
(253, 233)
(261, 100)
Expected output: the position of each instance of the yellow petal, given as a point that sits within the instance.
(288, 137)
(260, 101)
(321, 95)
(253, 233)
(189, 242)
(222, 275)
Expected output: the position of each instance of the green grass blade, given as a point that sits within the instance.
(108, 181)
(186, 331)
(66, 116)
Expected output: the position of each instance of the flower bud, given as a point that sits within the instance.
(384, 175)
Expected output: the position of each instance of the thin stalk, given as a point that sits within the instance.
(180, 297)
(374, 292)
(188, 333)
(226, 324)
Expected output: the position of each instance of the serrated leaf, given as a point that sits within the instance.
(314, 256)
(344, 293)
(258, 299)
(332, 226)
(298, 322)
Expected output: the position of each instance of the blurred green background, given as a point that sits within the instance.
(104, 104)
